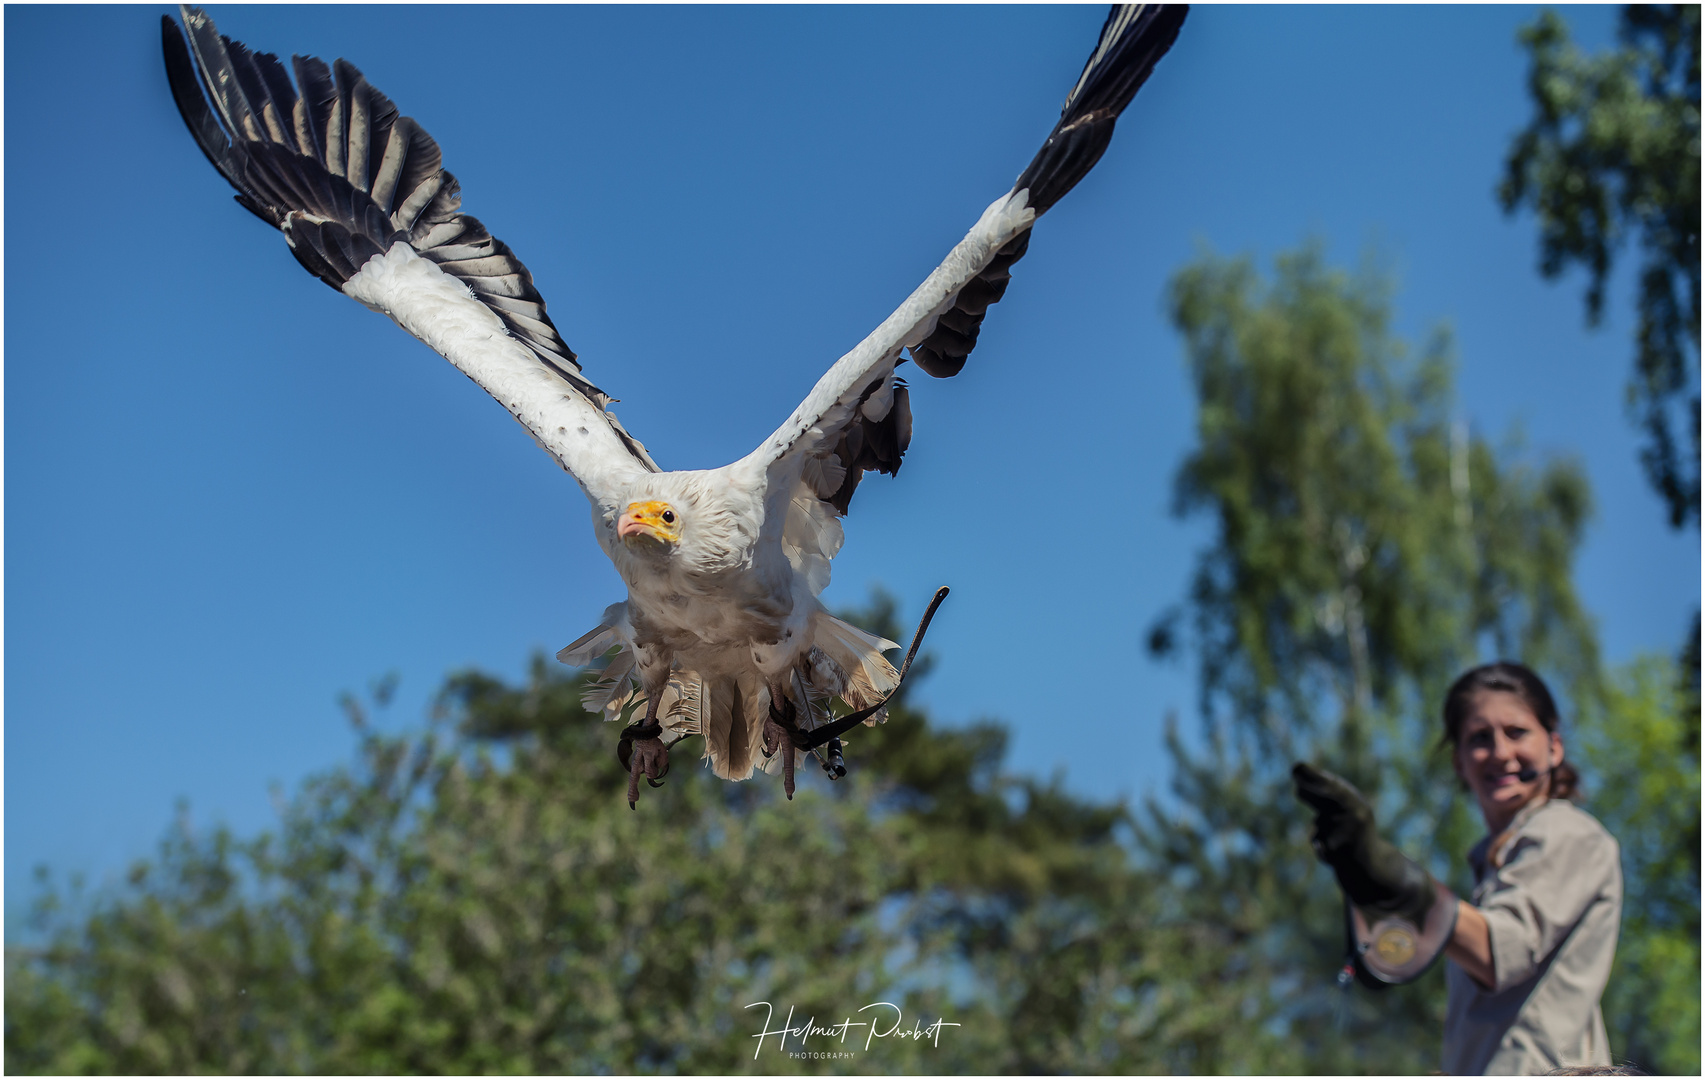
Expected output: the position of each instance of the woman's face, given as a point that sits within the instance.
(1500, 737)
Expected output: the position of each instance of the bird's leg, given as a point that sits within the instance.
(642, 750)
(780, 731)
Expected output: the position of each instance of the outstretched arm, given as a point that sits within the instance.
(1471, 944)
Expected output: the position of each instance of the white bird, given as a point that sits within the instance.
(722, 633)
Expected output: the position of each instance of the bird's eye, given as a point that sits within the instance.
(668, 517)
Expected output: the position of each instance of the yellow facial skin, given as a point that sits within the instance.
(649, 524)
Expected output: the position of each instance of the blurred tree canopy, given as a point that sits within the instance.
(1613, 150)
(1648, 793)
(479, 898)
(476, 896)
(1369, 548)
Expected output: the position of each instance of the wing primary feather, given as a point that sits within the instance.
(216, 73)
(281, 96)
(391, 164)
(317, 97)
(354, 89)
(192, 103)
(337, 126)
(250, 87)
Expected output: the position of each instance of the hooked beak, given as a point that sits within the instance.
(646, 523)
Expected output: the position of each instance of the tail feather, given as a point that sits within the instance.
(614, 629)
(730, 710)
(680, 706)
(734, 726)
(613, 689)
(869, 675)
(609, 693)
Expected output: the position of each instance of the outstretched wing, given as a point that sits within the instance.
(857, 417)
(366, 206)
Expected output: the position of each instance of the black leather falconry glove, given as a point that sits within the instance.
(1374, 875)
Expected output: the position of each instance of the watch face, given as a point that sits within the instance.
(1394, 945)
(1393, 950)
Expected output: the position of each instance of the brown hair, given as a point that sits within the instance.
(1509, 677)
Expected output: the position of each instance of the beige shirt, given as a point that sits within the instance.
(1552, 897)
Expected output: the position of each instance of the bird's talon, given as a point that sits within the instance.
(778, 738)
(648, 757)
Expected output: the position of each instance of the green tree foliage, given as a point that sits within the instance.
(1645, 787)
(478, 897)
(1613, 150)
(1368, 549)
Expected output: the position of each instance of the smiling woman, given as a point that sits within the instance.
(1531, 949)
(1532, 952)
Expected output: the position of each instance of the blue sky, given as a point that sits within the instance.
(233, 494)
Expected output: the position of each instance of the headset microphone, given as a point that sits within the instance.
(1529, 774)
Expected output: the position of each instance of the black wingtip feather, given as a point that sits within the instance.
(192, 106)
(319, 97)
(1133, 39)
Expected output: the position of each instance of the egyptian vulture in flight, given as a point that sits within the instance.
(722, 634)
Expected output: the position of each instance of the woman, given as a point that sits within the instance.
(1530, 953)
